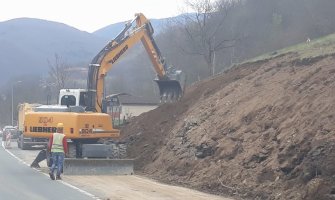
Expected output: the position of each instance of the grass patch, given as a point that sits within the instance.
(317, 47)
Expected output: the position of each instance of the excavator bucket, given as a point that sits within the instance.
(170, 90)
(76, 166)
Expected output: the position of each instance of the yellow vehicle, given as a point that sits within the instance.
(25, 142)
(85, 125)
(82, 111)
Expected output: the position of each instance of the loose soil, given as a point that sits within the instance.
(261, 130)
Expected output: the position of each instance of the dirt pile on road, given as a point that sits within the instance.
(262, 130)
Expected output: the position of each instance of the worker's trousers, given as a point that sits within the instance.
(57, 162)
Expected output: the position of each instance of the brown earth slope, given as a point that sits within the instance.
(262, 130)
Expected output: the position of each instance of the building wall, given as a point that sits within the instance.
(135, 110)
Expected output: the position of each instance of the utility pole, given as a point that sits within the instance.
(13, 101)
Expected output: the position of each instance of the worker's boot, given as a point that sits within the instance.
(35, 165)
(39, 158)
(52, 176)
(58, 177)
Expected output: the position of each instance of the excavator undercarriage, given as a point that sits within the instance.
(98, 159)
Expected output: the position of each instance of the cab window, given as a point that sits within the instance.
(68, 100)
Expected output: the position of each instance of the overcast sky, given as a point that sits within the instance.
(88, 15)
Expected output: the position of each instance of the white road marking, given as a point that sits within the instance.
(61, 181)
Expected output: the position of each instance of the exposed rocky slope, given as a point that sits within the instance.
(262, 130)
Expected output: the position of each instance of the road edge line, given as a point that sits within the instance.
(61, 181)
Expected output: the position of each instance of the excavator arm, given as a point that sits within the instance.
(168, 83)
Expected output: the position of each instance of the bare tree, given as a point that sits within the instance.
(59, 72)
(203, 29)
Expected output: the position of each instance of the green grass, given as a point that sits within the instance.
(317, 47)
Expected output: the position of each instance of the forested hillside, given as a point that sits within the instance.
(233, 32)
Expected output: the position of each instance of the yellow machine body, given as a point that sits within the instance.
(87, 125)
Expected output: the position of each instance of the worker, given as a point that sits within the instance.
(58, 148)
(8, 140)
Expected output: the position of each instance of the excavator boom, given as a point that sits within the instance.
(137, 30)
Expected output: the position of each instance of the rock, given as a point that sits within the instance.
(203, 151)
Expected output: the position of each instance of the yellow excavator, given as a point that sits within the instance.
(82, 111)
(168, 80)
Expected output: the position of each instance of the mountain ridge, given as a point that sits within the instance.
(28, 44)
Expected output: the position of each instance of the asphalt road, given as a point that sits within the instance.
(120, 187)
(20, 182)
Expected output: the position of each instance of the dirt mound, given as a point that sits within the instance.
(262, 130)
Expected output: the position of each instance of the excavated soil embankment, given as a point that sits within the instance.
(262, 130)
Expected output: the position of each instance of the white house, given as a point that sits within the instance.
(132, 106)
(124, 106)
